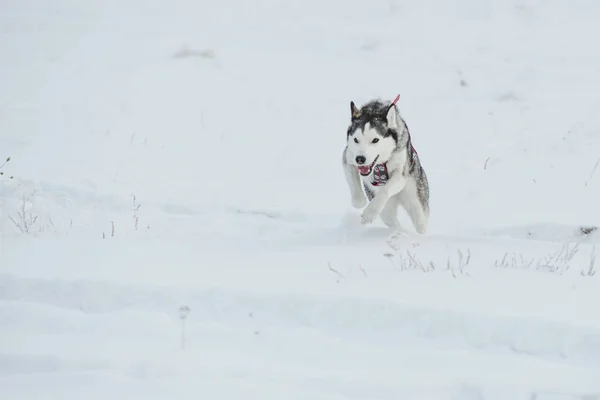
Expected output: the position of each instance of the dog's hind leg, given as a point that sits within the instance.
(357, 196)
(389, 213)
(418, 213)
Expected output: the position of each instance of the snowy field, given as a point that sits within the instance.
(187, 154)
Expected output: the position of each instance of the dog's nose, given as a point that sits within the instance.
(360, 160)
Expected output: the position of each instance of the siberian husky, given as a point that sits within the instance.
(379, 157)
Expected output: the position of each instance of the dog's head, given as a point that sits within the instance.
(372, 135)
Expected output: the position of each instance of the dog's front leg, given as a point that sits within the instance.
(394, 185)
(357, 196)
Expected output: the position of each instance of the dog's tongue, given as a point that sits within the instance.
(364, 169)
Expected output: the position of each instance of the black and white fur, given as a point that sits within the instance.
(378, 135)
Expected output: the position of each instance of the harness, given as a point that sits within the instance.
(380, 175)
(380, 171)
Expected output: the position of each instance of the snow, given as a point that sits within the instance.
(181, 153)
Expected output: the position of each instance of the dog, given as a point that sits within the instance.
(379, 157)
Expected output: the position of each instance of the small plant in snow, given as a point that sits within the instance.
(592, 173)
(183, 313)
(461, 263)
(415, 263)
(2, 165)
(408, 260)
(112, 230)
(485, 164)
(336, 272)
(136, 207)
(363, 271)
(513, 261)
(25, 220)
(558, 262)
(136, 218)
(591, 271)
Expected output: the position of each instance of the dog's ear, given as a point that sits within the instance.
(392, 116)
(354, 111)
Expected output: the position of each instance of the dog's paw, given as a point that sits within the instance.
(358, 201)
(369, 215)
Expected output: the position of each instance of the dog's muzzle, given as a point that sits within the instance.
(365, 170)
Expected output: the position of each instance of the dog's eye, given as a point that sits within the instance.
(355, 140)
(375, 140)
